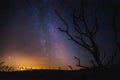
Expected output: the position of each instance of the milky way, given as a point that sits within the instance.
(29, 35)
(33, 36)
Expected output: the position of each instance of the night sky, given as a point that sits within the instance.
(29, 36)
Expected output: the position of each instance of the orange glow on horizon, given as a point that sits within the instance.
(22, 62)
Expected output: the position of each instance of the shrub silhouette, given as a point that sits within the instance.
(5, 67)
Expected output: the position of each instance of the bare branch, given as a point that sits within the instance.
(77, 27)
(70, 67)
(83, 17)
(95, 27)
(68, 34)
(62, 30)
(79, 65)
(73, 39)
(112, 58)
(67, 26)
(83, 41)
(93, 63)
(104, 55)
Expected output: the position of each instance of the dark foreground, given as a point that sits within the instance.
(85, 74)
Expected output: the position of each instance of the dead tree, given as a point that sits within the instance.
(85, 38)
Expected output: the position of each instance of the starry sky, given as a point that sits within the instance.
(29, 36)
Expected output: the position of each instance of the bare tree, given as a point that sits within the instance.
(85, 38)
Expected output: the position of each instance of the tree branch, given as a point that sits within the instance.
(104, 55)
(79, 65)
(95, 27)
(67, 26)
(112, 58)
(70, 67)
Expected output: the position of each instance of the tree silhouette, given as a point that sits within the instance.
(85, 38)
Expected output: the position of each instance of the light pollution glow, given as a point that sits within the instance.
(22, 62)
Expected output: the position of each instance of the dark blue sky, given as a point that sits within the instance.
(29, 28)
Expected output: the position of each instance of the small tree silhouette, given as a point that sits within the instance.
(85, 38)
